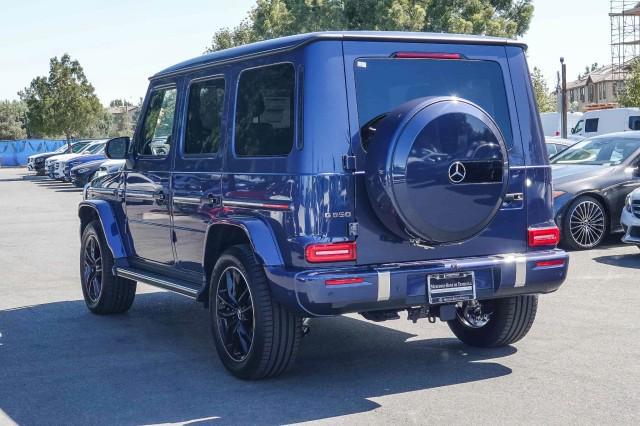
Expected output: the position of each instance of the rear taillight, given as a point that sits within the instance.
(539, 237)
(426, 55)
(335, 252)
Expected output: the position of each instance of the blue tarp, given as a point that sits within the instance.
(15, 153)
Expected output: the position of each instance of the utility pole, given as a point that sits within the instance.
(564, 98)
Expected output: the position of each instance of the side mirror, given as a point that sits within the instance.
(117, 148)
(573, 130)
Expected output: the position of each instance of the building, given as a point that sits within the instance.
(124, 119)
(596, 90)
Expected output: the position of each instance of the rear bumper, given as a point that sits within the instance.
(402, 285)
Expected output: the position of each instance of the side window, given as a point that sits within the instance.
(634, 122)
(551, 149)
(264, 111)
(157, 129)
(204, 117)
(591, 125)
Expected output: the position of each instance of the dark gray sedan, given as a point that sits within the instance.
(590, 182)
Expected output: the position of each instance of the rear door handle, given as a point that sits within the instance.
(212, 200)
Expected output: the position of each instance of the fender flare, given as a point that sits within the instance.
(259, 234)
(110, 229)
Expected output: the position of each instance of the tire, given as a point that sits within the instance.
(510, 320)
(104, 293)
(579, 239)
(274, 332)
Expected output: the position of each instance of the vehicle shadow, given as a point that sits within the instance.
(631, 260)
(59, 364)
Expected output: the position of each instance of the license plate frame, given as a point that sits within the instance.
(451, 287)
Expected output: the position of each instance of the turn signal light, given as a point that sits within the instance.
(334, 252)
(539, 237)
(427, 55)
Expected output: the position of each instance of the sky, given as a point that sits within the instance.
(120, 43)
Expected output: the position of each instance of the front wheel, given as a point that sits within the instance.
(255, 337)
(104, 293)
(585, 223)
(494, 323)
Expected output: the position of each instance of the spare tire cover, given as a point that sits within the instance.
(436, 170)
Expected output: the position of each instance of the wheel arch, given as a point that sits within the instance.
(229, 232)
(602, 199)
(102, 212)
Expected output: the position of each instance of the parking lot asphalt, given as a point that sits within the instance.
(59, 364)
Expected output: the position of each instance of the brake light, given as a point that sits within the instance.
(426, 55)
(554, 262)
(544, 236)
(343, 281)
(335, 252)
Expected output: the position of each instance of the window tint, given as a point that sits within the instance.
(384, 84)
(634, 122)
(157, 131)
(598, 151)
(204, 117)
(264, 111)
(591, 125)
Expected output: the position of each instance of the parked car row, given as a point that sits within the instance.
(85, 161)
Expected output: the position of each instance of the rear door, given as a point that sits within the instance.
(198, 169)
(379, 80)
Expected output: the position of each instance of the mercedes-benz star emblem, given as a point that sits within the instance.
(457, 172)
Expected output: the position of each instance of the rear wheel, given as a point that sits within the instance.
(585, 223)
(494, 323)
(104, 293)
(255, 337)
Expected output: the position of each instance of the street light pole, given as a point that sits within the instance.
(564, 98)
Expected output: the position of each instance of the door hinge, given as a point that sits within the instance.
(353, 229)
(349, 162)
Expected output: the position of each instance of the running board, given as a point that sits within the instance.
(177, 286)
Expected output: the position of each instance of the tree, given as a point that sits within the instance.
(64, 103)
(13, 120)
(275, 18)
(588, 69)
(629, 95)
(119, 103)
(545, 101)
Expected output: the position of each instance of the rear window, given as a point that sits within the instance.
(591, 125)
(264, 111)
(383, 84)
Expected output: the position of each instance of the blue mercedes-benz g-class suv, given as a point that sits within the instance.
(331, 173)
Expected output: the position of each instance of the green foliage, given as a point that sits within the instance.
(119, 103)
(629, 95)
(13, 117)
(546, 102)
(64, 103)
(275, 18)
(588, 69)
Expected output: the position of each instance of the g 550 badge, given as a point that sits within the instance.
(335, 215)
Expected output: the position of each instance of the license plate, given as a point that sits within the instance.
(451, 287)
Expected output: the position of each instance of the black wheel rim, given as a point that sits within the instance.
(587, 224)
(92, 270)
(234, 310)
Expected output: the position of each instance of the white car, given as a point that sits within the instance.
(630, 218)
(53, 165)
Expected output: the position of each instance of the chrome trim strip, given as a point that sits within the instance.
(139, 195)
(521, 271)
(529, 167)
(104, 191)
(257, 205)
(157, 282)
(384, 285)
(187, 200)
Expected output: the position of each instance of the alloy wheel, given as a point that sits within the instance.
(92, 270)
(587, 224)
(234, 310)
